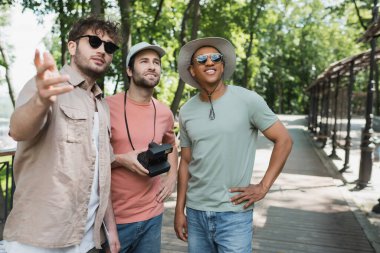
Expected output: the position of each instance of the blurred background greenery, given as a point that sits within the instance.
(281, 45)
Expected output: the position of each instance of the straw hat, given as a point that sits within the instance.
(187, 51)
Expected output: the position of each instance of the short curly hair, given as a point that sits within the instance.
(96, 24)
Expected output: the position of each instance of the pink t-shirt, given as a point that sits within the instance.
(134, 196)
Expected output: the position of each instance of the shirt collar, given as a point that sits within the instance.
(76, 79)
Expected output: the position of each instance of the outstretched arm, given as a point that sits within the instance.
(27, 120)
(278, 134)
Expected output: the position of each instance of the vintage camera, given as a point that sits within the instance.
(155, 159)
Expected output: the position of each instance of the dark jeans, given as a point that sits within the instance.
(141, 237)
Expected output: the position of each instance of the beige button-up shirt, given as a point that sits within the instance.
(53, 171)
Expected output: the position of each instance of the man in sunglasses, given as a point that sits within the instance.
(62, 163)
(218, 136)
(138, 119)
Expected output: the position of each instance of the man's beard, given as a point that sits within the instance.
(138, 80)
(85, 68)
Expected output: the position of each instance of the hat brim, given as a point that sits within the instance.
(161, 52)
(187, 51)
(141, 47)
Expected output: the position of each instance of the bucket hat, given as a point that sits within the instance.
(143, 46)
(187, 51)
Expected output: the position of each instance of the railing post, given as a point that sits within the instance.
(333, 154)
(328, 107)
(367, 146)
(310, 114)
(311, 110)
(322, 113)
(377, 101)
(347, 145)
(321, 100)
(13, 187)
(315, 109)
(7, 172)
(9, 182)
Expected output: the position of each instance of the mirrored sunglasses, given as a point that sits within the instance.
(96, 42)
(214, 57)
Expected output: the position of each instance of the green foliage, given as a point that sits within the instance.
(299, 42)
(7, 49)
(165, 32)
(293, 41)
(4, 18)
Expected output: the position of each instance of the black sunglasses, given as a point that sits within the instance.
(96, 42)
(215, 57)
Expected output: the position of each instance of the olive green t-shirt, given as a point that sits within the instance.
(223, 149)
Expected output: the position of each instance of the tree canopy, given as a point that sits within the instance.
(281, 45)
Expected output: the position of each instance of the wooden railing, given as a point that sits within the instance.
(7, 185)
(335, 96)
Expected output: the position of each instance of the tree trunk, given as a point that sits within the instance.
(156, 17)
(252, 24)
(8, 80)
(125, 10)
(117, 83)
(83, 8)
(281, 98)
(377, 93)
(196, 20)
(182, 39)
(359, 16)
(97, 7)
(62, 32)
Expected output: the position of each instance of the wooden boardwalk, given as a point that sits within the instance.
(305, 211)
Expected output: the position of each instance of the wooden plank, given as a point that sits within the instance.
(272, 246)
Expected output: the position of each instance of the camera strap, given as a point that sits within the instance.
(126, 121)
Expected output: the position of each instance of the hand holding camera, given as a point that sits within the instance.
(129, 162)
(155, 159)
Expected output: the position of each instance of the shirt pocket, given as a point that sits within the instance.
(76, 121)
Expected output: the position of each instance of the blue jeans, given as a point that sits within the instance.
(219, 232)
(141, 237)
